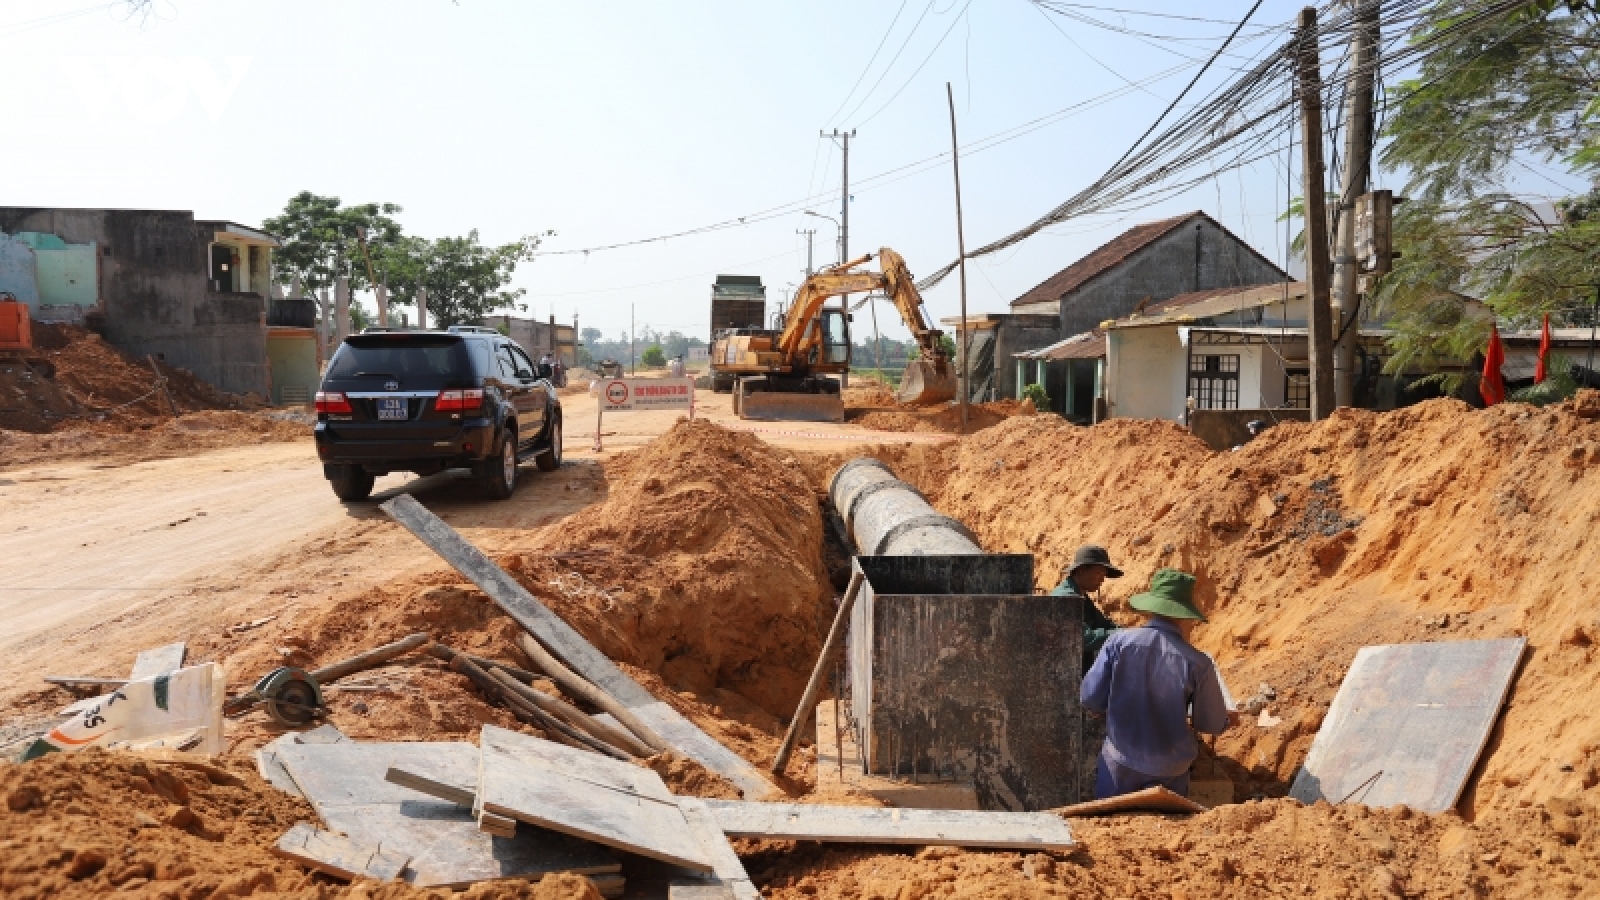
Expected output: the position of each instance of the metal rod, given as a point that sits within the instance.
(961, 248)
(824, 662)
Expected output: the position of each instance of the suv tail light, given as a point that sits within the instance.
(332, 402)
(458, 401)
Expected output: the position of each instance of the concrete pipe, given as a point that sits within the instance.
(887, 517)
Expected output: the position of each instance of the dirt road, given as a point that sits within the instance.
(104, 560)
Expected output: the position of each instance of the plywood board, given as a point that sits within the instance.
(727, 878)
(345, 784)
(869, 825)
(436, 783)
(158, 661)
(1152, 799)
(573, 648)
(1409, 723)
(338, 855)
(518, 779)
(271, 768)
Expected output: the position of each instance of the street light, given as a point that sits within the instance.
(837, 249)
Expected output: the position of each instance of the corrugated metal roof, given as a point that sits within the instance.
(1211, 304)
(1089, 345)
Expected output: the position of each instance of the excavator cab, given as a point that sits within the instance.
(835, 325)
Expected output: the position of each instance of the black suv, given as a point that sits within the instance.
(426, 401)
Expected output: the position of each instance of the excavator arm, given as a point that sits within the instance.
(902, 291)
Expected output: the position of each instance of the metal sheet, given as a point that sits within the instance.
(1409, 723)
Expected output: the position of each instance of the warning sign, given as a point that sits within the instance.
(646, 393)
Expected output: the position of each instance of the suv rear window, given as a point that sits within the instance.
(400, 358)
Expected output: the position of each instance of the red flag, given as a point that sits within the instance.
(1493, 387)
(1544, 352)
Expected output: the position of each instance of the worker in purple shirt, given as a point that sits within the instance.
(1152, 685)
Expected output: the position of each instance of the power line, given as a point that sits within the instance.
(913, 77)
(874, 58)
(903, 44)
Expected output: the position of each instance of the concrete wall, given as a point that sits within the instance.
(18, 271)
(537, 338)
(1224, 429)
(292, 353)
(1196, 256)
(154, 292)
(1014, 335)
(1145, 376)
(67, 273)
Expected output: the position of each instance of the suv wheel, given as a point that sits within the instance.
(550, 460)
(352, 483)
(500, 477)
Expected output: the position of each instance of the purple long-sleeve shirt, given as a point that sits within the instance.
(1145, 681)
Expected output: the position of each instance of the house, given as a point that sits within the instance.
(1144, 266)
(537, 338)
(193, 293)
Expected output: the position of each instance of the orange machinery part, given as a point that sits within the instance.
(15, 332)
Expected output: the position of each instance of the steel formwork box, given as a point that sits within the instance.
(959, 672)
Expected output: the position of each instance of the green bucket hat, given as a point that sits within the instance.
(1171, 594)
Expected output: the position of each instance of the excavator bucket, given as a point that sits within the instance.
(751, 402)
(927, 382)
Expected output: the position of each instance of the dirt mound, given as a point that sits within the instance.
(1435, 522)
(1272, 848)
(703, 564)
(75, 376)
(97, 822)
(128, 439)
(872, 404)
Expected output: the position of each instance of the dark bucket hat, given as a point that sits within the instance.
(1171, 594)
(1093, 555)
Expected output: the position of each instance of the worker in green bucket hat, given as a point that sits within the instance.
(1152, 687)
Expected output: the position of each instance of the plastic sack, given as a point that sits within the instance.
(174, 710)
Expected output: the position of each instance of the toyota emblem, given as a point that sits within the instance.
(391, 385)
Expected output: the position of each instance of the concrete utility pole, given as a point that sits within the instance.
(961, 258)
(809, 233)
(632, 370)
(422, 309)
(341, 308)
(1319, 319)
(1357, 174)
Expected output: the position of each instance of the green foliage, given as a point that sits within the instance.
(465, 279)
(946, 344)
(1297, 210)
(653, 356)
(320, 239)
(1479, 109)
(1036, 393)
(1557, 386)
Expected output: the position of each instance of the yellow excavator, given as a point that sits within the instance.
(783, 373)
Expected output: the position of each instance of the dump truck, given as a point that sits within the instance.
(738, 307)
(786, 372)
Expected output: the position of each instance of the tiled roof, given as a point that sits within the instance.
(1108, 256)
(1089, 345)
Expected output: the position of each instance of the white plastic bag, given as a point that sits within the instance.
(169, 710)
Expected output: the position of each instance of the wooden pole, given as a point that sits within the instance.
(961, 247)
(835, 639)
(575, 685)
(161, 382)
(1319, 325)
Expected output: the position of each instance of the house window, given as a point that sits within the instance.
(1214, 381)
(1297, 389)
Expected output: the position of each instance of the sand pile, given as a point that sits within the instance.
(1273, 848)
(1436, 522)
(127, 439)
(78, 377)
(96, 823)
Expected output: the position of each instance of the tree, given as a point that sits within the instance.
(1518, 88)
(653, 356)
(592, 335)
(465, 279)
(320, 239)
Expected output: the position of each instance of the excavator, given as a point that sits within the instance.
(782, 373)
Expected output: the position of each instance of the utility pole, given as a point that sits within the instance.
(1319, 320)
(809, 233)
(961, 258)
(632, 369)
(1357, 174)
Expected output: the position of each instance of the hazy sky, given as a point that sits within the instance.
(610, 122)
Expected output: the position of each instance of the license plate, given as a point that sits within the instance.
(393, 408)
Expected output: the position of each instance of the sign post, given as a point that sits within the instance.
(624, 394)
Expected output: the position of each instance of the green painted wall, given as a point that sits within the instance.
(68, 273)
(293, 357)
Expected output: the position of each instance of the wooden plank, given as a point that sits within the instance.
(868, 825)
(435, 783)
(1409, 723)
(345, 784)
(581, 764)
(339, 856)
(158, 661)
(727, 878)
(609, 885)
(271, 768)
(322, 734)
(499, 826)
(1152, 799)
(573, 648)
(516, 780)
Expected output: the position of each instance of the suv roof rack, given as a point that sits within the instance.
(471, 329)
(379, 329)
